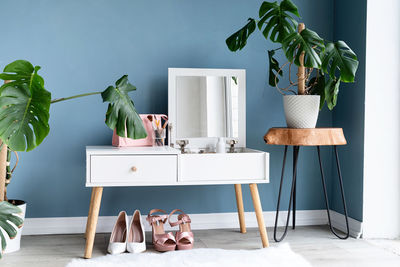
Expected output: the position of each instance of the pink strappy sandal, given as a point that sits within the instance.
(162, 241)
(184, 237)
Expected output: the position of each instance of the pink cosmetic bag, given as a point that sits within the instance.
(148, 141)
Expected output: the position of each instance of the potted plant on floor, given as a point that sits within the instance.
(322, 65)
(10, 223)
(24, 124)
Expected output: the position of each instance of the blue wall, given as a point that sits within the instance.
(86, 45)
(350, 25)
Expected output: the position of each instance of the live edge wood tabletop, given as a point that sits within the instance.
(305, 137)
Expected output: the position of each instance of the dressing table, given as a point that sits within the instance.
(204, 105)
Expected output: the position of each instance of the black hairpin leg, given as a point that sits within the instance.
(295, 183)
(341, 190)
(291, 200)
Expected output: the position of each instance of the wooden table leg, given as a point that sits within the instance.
(92, 220)
(259, 214)
(240, 207)
(90, 212)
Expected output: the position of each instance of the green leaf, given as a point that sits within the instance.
(19, 70)
(238, 40)
(273, 66)
(7, 215)
(20, 67)
(296, 43)
(121, 113)
(318, 88)
(234, 79)
(6, 226)
(277, 21)
(339, 56)
(24, 107)
(331, 92)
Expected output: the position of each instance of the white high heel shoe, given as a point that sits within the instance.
(136, 238)
(117, 242)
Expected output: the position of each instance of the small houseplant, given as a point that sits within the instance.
(24, 123)
(322, 65)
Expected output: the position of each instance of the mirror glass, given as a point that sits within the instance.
(207, 106)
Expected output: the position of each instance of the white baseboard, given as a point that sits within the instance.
(339, 222)
(75, 225)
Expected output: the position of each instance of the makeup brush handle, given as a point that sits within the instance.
(165, 124)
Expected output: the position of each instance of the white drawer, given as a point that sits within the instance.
(224, 167)
(133, 169)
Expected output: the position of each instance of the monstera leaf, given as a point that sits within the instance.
(318, 88)
(327, 88)
(307, 41)
(331, 92)
(121, 113)
(339, 56)
(277, 21)
(273, 66)
(7, 216)
(24, 107)
(238, 40)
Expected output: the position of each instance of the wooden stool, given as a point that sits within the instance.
(307, 137)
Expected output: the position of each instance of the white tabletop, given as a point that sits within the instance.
(132, 150)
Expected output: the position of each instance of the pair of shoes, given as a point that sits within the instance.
(162, 241)
(124, 238)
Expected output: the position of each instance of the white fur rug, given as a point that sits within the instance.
(202, 257)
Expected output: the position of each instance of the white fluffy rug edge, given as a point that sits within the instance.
(281, 255)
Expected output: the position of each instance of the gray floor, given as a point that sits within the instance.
(315, 243)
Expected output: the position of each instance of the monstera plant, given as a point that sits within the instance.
(322, 64)
(24, 121)
(8, 218)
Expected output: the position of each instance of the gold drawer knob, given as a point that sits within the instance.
(134, 169)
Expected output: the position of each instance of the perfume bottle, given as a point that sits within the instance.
(220, 145)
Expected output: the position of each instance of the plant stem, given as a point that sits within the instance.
(8, 173)
(301, 72)
(3, 163)
(72, 97)
(276, 49)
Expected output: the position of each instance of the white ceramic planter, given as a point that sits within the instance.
(301, 111)
(13, 245)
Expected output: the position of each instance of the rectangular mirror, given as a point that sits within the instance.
(205, 104)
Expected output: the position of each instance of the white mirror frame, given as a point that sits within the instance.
(204, 142)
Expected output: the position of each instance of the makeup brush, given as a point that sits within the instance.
(157, 122)
(150, 118)
(165, 121)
